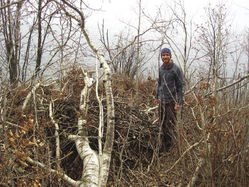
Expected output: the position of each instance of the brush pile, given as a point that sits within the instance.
(30, 132)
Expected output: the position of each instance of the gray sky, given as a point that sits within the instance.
(119, 14)
(116, 13)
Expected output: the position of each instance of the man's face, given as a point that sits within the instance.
(166, 58)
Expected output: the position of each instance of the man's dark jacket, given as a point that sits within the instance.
(170, 84)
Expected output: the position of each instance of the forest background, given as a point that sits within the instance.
(77, 95)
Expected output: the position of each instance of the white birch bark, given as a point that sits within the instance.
(101, 123)
(106, 157)
(56, 134)
(90, 173)
(96, 169)
(27, 99)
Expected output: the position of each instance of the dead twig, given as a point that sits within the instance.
(185, 152)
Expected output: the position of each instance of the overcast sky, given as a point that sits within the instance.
(116, 13)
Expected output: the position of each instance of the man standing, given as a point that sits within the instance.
(170, 98)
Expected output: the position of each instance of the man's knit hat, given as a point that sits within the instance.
(165, 50)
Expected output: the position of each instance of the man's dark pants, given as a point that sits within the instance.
(167, 116)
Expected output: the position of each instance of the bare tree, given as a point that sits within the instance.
(128, 52)
(96, 165)
(214, 42)
(123, 52)
(247, 50)
(10, 21)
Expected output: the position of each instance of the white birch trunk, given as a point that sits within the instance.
(90, 173)
(96, 169)
(57, 136)
(106, 157)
